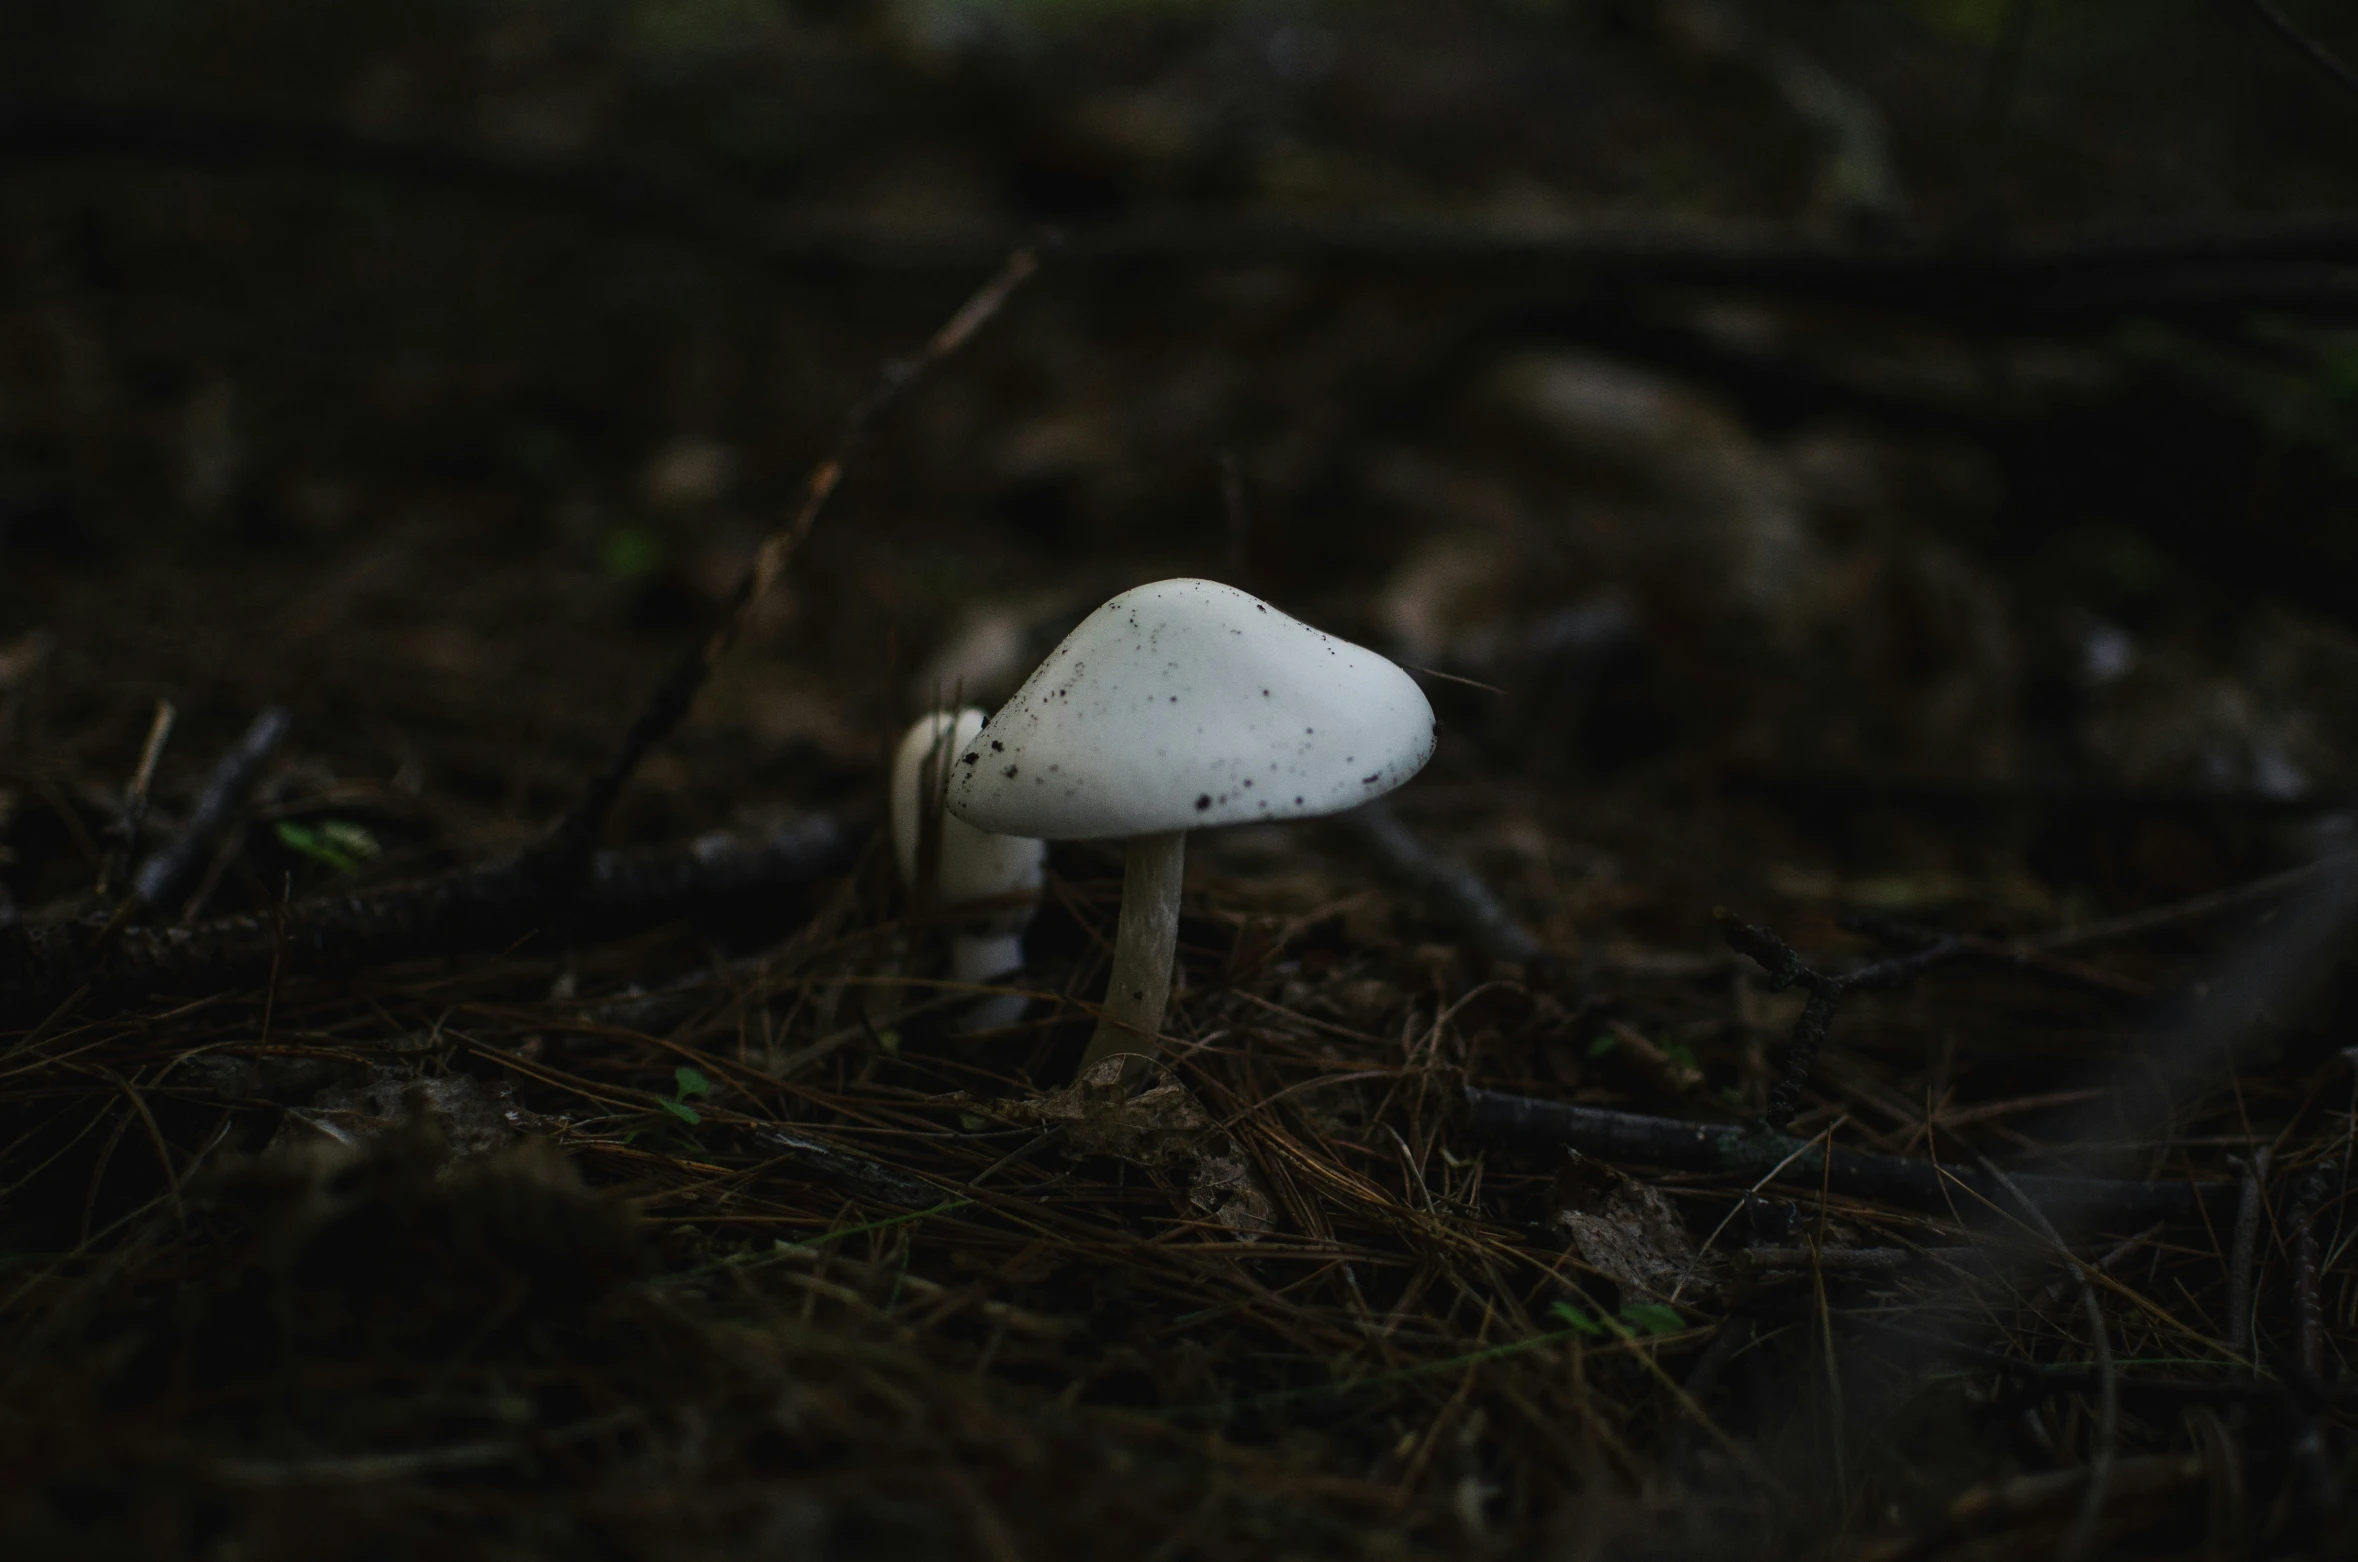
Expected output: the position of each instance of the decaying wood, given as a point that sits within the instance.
(499, 906)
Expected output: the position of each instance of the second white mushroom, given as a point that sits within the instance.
(992, 874)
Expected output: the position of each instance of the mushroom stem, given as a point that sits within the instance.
(1145, 943)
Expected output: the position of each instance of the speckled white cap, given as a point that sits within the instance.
(974, 865)
(1186, 704)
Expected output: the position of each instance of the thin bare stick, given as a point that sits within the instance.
(2240, 1259)
(123, 834)
(1454, 890)
(563, 858)
(2308, 1448)
(2333, 64)
(2108, 1403)
(2309, 1314)
(2195, 908)
(164, 876)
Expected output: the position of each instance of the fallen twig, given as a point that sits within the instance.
(562, 858)
(2039, 1379)
(409, 1464)
(1526, 1122)
(2245, 1247)
(2308, 1311)
(2108, 1394)
(2309, 1455)
(2018, 1499)
(122, 836)
(1786, 969)
(1454, 890)
(1830, 1260)
(165, 876)
(2195, 908)
(2022, 955)
(494, 906)
(855, 1174)
(2328, 61)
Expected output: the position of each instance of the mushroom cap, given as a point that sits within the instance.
(1185, 704)
(975, 864)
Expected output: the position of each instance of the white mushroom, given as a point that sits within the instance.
(1175, 706)
(966, 865)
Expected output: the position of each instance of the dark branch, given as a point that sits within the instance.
(491, 907)
(166, 876)
(2331, 63)
(1453, 890)
(1786, 969)
(1528, 1123)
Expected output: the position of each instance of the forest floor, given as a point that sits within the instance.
(1786, 576)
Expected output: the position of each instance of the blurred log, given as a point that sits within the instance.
(2293, 265)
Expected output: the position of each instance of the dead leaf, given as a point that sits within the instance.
(1625, 1230)
(471, 1119)
(1162, 1128)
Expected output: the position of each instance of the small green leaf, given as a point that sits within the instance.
(631, 553)
(971, 1123)
(1603, 1044)
(1680, 1053)
(891, 1041)
(1573, 1318)
(684, 1112)
(1652, 1318)
(691, 1082)
(303, 839)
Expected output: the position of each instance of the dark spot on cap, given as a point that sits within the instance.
(1010, 770)
(1203, 802)
(968, 759)
(998, 747)
(1371, 780)
(1297, 797)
